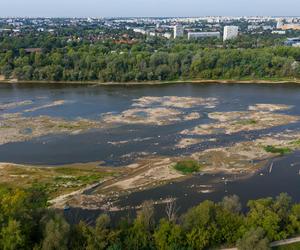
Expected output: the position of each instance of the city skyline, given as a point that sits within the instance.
(155, 8)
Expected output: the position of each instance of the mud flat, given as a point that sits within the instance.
(15, 127)
(269, 107)
(160, 111)
(187, 142)
(248, 156)
(175, 102)
(150, 116)
(237, 121)
(144, 174)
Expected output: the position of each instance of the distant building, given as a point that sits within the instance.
(199, 35)
(178, 31)
(230, 32)
(279, 32)
(279, 24)
(167, 35)
(294, 42)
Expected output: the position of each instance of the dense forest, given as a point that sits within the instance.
(146, 59)
(27, 223)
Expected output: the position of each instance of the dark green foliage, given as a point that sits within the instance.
(26, 224)
(147, 60)
(187, 166)
(254, 239)
(275, 150)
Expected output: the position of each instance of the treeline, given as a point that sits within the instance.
(148, 61)
(26, 223)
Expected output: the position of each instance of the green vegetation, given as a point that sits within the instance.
(275, 150)
(154, 59)
(187, 166)
(54, 181)
(26, 223)
(247, 122)
(294, 246)
(296, 143)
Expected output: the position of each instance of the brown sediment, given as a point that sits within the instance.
(269, 107)
(15, 127)
(237, 121)
(192, 116)
(175, 102)
(141, 175)
(245, 156)
(187, 142)
(155, 116)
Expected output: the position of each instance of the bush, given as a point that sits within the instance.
(187, 166)
(274, 150)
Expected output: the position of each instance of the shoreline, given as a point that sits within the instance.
(153, 83)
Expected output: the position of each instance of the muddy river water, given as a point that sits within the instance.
(119, 124)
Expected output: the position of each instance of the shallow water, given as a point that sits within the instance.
(98, 144)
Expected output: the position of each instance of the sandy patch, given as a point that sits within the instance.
(175, 102)
(12, 105)
(269, 107)
(50, 105)
(187, 142)
(150, 116)
(237, 121)
(245, 156)
(192, 116)
(14, 127)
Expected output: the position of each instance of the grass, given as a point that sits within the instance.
(54, 180)
(275, 150)
(296, 143)
(187, 166)
(247, 122)
(294, 246)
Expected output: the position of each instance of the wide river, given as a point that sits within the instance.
(105, 144)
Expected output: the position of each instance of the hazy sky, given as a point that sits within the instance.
(106, 8)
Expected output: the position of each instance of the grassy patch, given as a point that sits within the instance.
(187, 166)
(54, 180)
(247, 122)
(296, 143)
(275, 150)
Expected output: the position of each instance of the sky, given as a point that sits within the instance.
(138, 8)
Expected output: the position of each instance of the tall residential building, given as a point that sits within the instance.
(198, 35)
(279, 24)
(230, 32)
(178, 31)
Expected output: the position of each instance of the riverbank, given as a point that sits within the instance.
(196, 81)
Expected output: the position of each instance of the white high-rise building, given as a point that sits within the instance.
(279, 23)
(230, 32)
(199, 35)
(178, 31)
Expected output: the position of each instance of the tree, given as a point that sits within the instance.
(12, 237)
(254, 239)
(56, 234)
(168, 236)
(140, 234)
(232, 204)
(171, 209)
